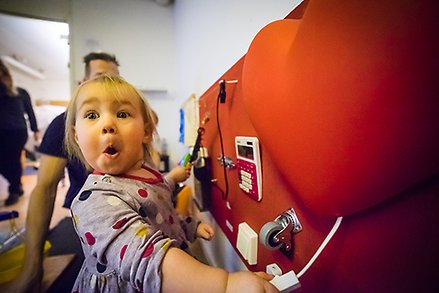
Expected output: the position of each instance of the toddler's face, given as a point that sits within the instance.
(110, 132)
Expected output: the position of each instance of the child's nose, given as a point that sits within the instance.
(108, 126)
(109, 129)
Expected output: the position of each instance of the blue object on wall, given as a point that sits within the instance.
(181, 139)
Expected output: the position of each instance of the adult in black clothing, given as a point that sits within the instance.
(15, 103)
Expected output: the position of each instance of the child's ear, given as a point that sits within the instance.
(147, 135)
(146, 139)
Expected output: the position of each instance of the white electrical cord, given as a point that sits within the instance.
(322, 246)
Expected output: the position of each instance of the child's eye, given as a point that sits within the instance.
(91, 115)
(123, 114)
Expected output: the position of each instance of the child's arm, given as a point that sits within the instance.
(195, 229)
(183, 273)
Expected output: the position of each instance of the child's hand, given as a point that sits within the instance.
(265, 276)
(205, 231)
(268, 287)
(250, 282)
(180, 173)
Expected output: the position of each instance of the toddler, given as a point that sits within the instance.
(133, 239)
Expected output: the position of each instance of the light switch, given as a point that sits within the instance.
(247, 243)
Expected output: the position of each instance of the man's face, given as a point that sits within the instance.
(99, 67)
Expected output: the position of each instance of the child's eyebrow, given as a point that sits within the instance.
(95, 101)
(124, 102)
(87, 101)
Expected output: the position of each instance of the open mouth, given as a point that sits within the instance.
(111, 150)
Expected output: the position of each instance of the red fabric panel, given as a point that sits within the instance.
(346, 102)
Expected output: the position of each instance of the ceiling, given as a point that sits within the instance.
(39, 44)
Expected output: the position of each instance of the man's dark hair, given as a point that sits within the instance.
(98, 56)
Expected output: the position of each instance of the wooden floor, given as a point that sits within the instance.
(29, 182)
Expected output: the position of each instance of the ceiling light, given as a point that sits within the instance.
(23, 67)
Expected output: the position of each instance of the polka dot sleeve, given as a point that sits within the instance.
(190, 226)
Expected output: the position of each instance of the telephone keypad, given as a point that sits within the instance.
(247, 178)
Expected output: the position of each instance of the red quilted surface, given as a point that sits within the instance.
(350, 100)
(344, 98)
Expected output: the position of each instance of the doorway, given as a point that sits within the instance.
(37, 52)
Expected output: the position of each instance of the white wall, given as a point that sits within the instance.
(41, 90)
(141, 35)
(212, 35)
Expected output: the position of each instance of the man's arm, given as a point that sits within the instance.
(38, 218)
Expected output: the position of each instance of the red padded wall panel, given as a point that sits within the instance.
(349, 98)
(344, 102)
(277, 195)
(391, 247)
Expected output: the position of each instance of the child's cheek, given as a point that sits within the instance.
(86, 144)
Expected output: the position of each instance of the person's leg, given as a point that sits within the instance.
(12, 169)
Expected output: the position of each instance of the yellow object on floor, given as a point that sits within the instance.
(11, 262)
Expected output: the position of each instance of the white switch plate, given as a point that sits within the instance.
(247, 243)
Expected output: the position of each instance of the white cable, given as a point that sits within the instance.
(322, 246)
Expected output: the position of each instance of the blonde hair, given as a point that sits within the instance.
(117, 87)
